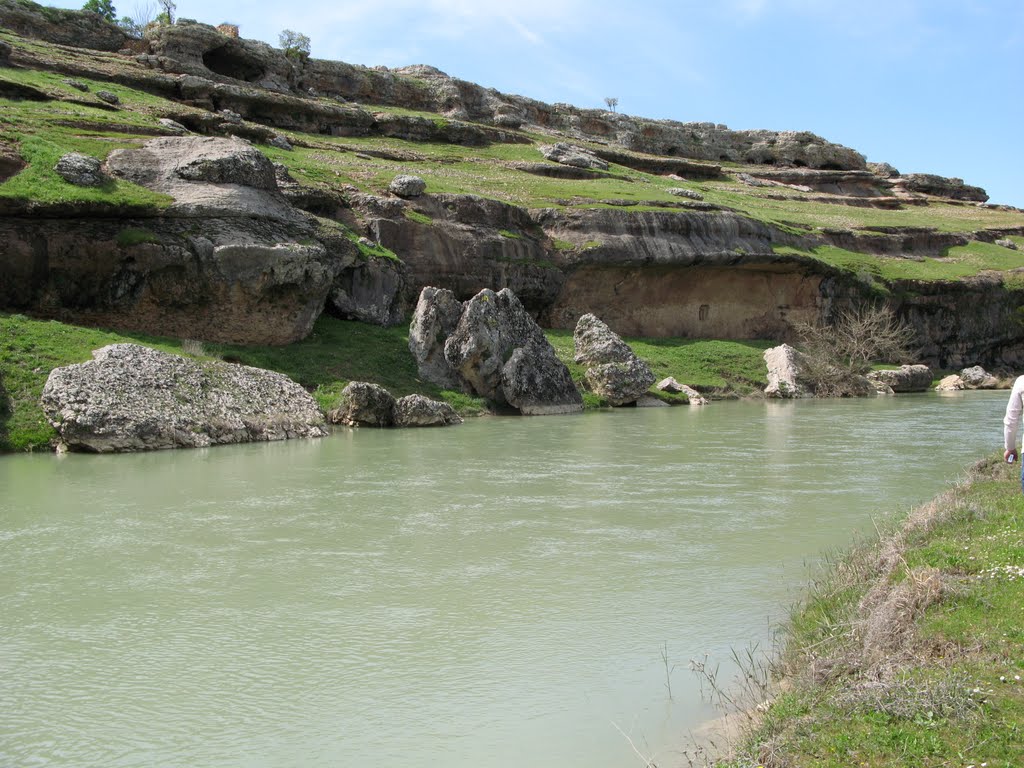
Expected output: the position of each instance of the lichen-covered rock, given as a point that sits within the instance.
(133, 398)
(536, 382)
(784, 373)
(906, 378)
(977, 377)
(436, 317)
(570, 154)
(281, 142)
(420, 411)
(614, 372)
(681, 192)
(492, 325)
(80, 170)
(364, 405)
(500, 353)
(407, 186)
(619, 383)
(594, 342)
(942, 186)
(108, 97)
(213, 161)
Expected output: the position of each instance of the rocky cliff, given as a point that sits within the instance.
(661, 228)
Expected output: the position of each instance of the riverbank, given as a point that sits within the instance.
(335, 353)
(910, 650)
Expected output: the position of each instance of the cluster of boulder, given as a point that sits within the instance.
(787, 378)
(491, 347)
(364, 404)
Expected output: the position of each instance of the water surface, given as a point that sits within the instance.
(509, 592)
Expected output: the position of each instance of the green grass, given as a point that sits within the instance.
(958, 262)
(719, 367)
(954, 694)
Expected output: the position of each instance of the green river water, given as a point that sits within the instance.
(509, 592)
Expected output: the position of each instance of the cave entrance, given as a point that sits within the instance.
(232, 63)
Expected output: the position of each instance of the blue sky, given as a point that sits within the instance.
(931, 86)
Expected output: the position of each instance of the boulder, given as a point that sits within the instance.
(80, 170)
(671, 385)
(420, 411)
(133, 398)
(491, 327)
(108, 97)
(906, 378)
(784, 373)
(613, 372)
(536, 382)
(76, 84)
(951, 383)
(500, 353)
(594, 342)
(619, 383)
(436, 317)
(680, 192)
(407, 186)
(236, 163)
(977, 377)
(364, 404)
(1007, 243)
(280, 142)
(570, 154)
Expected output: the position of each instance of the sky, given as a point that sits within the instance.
(929, 86)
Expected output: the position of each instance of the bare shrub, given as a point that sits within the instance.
(837, 354)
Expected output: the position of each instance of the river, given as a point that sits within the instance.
(509, 592)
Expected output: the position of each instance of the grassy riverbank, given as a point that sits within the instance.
(909, 651)
(335, 353)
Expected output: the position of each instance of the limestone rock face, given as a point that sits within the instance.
(977, 377)
(364, 405)
(133, 398)
(784, 374)
(941, 186)
(370, 291)
(907, 378)
(536, 382)
(614, 372)
(67, 27)
(420, 411)
(436, 317)
(80, 170)
(570, 154)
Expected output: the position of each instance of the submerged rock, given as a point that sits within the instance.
(133, 398)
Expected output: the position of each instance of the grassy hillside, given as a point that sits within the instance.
(910, 650)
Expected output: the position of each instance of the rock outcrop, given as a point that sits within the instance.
(906, 378)
(977, 377)
(227, 259)
(500, 353)
(614, 372)
(133, 398)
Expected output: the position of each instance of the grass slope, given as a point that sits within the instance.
(910, 651)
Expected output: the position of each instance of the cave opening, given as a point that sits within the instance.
(232, 63)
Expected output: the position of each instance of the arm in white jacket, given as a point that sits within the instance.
(1011, 421)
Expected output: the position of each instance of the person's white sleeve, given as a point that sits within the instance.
(1013, 412)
